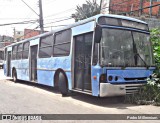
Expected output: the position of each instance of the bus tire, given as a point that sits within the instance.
(14, 75)
(62, 84)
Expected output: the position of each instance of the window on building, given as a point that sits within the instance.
(25, 51)
(61, 46)
(45, 50)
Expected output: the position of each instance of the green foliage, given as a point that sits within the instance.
(86, 10)
(155, 39)
(148, 94)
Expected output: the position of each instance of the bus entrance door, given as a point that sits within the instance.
(82, 62)
(33, 63)
(9, 63)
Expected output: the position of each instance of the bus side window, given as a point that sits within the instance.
(45, 49)
(5, 54)
(62, 43)
(25, 51)
(14, 52)
(19, 51)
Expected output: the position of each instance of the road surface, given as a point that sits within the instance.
(23, 98)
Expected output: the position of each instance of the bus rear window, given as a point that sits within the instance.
(122, 22)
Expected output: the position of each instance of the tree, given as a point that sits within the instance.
(155, 39)
(86, 10)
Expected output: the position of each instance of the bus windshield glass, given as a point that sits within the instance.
(122, 22)
(122, 48)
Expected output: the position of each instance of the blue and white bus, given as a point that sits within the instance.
(105, 55)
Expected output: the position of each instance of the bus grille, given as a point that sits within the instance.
(133, 88)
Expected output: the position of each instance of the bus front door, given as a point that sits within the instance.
(33, 63)
(82, 62)
(9, 63)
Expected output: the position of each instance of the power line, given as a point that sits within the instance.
(58, 20)
(59, 13)
(15, 18)
(54, 26)
(23, 22)
(48, 2)
(30, 25)
(30, 7)
(46, 27)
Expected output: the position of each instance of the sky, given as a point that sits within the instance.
(12, 11)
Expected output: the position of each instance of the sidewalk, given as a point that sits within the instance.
(2, 76)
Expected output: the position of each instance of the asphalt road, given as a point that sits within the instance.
(24, 98)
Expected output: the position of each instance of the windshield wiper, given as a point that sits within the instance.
(137, 54)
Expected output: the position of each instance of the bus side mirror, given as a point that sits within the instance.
(98, 34)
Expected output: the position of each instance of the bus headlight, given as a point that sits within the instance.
(110, 78)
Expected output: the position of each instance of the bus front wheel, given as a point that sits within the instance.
(63, 84)
(14, 75)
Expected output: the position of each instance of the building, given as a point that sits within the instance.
(126, 6)
(5, 40)
(28, 33)
(18, 35)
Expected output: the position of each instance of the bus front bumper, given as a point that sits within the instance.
(108, 90)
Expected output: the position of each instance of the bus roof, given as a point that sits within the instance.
(80, 23)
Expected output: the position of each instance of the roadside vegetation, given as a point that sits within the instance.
(89, 9)
(150, 93)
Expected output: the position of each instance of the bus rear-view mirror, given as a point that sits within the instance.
(98, 34)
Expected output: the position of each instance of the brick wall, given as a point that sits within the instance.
(117, 6)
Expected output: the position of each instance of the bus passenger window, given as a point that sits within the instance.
(62, 43)
(45, 50)
(14, 52)
(19, 51)
(25, 50)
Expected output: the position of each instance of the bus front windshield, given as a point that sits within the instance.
(122, 48)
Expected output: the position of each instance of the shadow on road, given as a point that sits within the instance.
(110, 102)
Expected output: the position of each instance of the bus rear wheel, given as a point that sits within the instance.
(14, 75)
(62, 84)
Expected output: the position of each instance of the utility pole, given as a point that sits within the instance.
(104, 6)
(41, 16)
(100, 6)
(150, 10)
(141, 7)
(14, 33)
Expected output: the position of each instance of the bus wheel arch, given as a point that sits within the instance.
(61, 81)
(14, 74)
